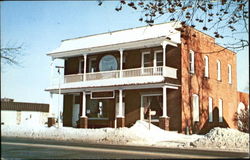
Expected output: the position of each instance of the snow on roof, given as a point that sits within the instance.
(110, 82)
(122, 36)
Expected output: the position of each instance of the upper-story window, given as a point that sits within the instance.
(191, 61)
(81, 66)
(210, 109)
(146, 59)
(206, 66)
(218, 70)
(220, 110)
(229, 73)
(158, 58)
(92, 64)
(108, 63)
(195, 105)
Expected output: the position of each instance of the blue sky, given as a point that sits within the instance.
(40, 26)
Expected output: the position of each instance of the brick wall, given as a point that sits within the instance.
(195, 83)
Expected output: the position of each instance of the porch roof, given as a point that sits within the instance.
(107, 83)
(118, 39)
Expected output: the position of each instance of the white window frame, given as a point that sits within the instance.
(210, 109)
(229, 73)
(91, 59)
(142, 107)
(155, 57)
(195, 106)
(206, 61)
(220, 110)
(142, 58)
(218, 70)
(191, 61)
(80, 65)
(142, 62)
(155, 60)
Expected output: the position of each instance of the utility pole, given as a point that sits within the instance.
(59, 93)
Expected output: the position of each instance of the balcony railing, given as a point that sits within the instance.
(135, 72)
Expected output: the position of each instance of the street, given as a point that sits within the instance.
(30, 148)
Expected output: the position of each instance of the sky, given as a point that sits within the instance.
(41, 25)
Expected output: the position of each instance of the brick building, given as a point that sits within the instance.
(113, 79)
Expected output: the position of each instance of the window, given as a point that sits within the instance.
(81, 66)
(96, 108)
(218, 70)
(220, 110)
(146, 59)
(206, 66)
(191, 61)
(229, 74)
(195, 108)
(158, 58)
(92, 64)
(108, 63)
(153, 102)
(210, 109)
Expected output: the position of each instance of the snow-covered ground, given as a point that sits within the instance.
(139, 134)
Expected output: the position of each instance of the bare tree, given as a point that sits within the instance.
(11, 55)
(219, 18)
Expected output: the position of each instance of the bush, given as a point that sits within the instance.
(242, 119)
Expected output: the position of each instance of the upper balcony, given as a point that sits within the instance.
(135, 72)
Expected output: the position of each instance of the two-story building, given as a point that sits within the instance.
(115, 78)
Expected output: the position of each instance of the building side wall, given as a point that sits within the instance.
(28, 118)
(195, 83)
(244, 98)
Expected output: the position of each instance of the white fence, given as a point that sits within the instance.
(135, 72)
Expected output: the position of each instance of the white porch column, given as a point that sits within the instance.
(120, 104)
(164, 108)
(51, 105)
(51, 70)
(121, 61)
(164, 45)
(85, 67)
(83, 104)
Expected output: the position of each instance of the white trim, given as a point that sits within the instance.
(80, 66)
(51, 105)
(191, 61)
(155, 57)
(196, 108)
(206, 61)
(210, 109)
(121, 62)
(85, 67)
(91, 59)
(218, 70)
(220, 110)
(229, 73)
(84, 100)
(120, 107)
(91, 97)
(129, 87)
(142, 58)
(164, 103)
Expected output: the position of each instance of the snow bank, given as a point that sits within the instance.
(224, 138)
(138, 134)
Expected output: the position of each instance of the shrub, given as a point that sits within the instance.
(242, 120)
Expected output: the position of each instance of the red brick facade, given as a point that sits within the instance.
(196, 83)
